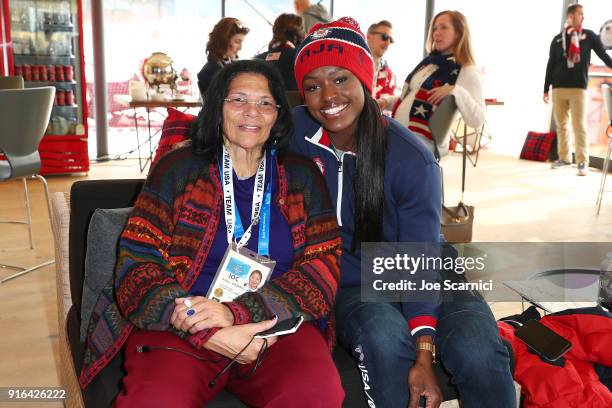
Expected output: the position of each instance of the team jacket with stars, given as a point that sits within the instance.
(468, 93)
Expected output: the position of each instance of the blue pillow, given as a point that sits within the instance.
(103, 234)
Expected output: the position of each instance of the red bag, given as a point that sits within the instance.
(176, 128)
(537, 146)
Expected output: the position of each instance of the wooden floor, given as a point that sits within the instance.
(515, 200)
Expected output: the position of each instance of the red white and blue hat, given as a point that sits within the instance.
(339, 43)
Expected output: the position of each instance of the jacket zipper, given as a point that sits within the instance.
(340, 162)
(340, 183)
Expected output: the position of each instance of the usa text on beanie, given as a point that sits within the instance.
(339, 43)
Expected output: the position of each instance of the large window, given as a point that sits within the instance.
(133, 30)
(511, 42)
(258, 16)
(407, 18)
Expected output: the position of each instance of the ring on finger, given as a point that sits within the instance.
(190, 312)
(187, 302)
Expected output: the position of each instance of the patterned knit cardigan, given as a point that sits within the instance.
(168, 237)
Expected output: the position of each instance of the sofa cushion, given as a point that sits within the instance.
(102, 240)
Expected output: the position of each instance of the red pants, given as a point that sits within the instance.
(297, 371)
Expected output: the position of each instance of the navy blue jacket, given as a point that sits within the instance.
(412, 197)
(559, 75)
(282, 58)
(206, 75)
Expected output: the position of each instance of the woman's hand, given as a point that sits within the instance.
(230, 340)
(437, 94)
(208, 314)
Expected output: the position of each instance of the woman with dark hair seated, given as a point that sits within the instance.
(287, 33)
(234, 192)
(224, 43)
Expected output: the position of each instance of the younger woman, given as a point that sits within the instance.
(386, 188)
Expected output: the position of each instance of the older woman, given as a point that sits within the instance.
(287, 33)
(386, 187)
(449, 69)
(179, 345)
(224, 43)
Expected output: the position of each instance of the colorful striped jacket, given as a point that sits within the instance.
(169, 234)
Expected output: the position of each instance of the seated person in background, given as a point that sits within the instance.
(224, 43)
(287, 33)
(449, 69)
(386, 188)
(176, 238)
(380, 37)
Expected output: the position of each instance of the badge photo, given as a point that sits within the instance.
(241, 271)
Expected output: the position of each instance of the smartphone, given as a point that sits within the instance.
(543, 340)
(285, 327)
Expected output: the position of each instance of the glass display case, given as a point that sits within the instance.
(45, 48)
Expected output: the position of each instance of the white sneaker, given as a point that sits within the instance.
(583, 169)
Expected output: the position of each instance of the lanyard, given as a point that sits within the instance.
(260, 209)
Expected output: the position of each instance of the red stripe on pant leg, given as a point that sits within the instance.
(297, 372)
(165, 378)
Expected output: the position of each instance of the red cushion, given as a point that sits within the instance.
(176, 128)
(537, 146)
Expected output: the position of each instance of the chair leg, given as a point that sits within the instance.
(23, 271)
(604, 170)
(28, 217)
(46, 188)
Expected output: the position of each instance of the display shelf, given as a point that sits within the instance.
(34, 84)
(44, 27)
(26, 56)
(46, 47)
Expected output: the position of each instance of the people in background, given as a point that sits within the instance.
(385, 185)
(311, 13)
(449, 69)
(380, 37)
(287, 33)
(224, 43)
(567, 72)
(178, 344)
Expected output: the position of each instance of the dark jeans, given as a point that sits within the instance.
(467, 339)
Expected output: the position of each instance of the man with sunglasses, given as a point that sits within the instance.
(380, 36)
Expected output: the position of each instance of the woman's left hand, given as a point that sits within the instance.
(207, 314)
(437, 94)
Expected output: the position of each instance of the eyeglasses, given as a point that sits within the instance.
(240, 103)
(384, 36)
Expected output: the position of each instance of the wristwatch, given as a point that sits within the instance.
(423, 345)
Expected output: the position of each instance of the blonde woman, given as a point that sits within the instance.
(449, 69)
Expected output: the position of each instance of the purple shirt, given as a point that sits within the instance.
(281, 243)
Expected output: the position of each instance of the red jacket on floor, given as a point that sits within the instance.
(576, 384)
